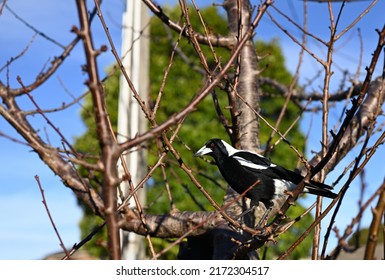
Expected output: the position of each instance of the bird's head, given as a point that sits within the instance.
(215, 148)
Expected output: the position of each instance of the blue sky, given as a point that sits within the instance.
(25, 231)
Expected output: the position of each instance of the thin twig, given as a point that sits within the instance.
(354, 22)
(41, 112)
(282, 136)
(49, 216)
(220, 41)
(58, 109)
(89, 236)
(166, 72)
(13, 59)
(302, 29)
(34, 28)
(295, 40)
(2, 6)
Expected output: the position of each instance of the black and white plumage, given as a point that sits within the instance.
(243, 169)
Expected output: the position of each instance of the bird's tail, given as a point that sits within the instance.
(321, 189)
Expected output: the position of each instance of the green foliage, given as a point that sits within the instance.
(181, 85)
(360, 238)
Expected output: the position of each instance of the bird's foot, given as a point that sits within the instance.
(245, 212)
(264, 218)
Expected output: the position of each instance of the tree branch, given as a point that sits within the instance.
(216, 40)
(109, 148)
(375, 226)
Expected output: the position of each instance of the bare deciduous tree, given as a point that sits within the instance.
(359, 132)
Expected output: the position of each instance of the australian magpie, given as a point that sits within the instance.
(242, 169)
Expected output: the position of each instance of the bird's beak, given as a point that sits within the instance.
(203, 151)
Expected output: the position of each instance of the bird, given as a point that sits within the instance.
(255, 175)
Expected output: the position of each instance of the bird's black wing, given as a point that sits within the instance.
(313, 187)
(252, 160)
(282, 173)
(261, 164)
(258, 163)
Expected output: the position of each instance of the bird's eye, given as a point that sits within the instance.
(211, 145)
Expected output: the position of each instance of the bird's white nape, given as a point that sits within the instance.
(230, 149)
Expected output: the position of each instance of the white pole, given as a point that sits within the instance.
(130, 117)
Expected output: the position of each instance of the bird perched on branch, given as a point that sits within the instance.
(262, 180)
